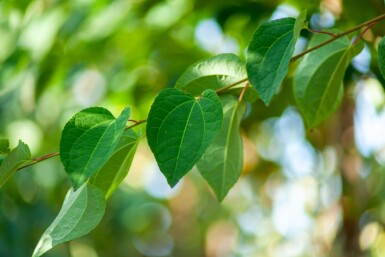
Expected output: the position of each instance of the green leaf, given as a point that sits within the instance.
(81, 212)
(318, 88)
(300, 23)
(269, 53)
(14, 160)
(4, 149)
(381, 56)
(214, 73)
(221, 164)
(180, 128)
(4, 146)
(116, 168)
(88, 140)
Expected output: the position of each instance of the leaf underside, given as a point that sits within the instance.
(81, 212)
(318, 87)
(116, 168)
(221, 164)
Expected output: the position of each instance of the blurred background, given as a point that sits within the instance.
(303, 193)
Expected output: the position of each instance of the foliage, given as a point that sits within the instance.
(198, 122)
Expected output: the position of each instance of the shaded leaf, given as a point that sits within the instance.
(381, 56)
(14, 160)
(269, 53)
(4, 146)
(116, 168)
(318, 88)
(81, 212)
(180, 128)
(221, 164)
(4, 149)
(88, 140)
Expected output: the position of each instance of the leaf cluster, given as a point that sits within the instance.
(196, 123)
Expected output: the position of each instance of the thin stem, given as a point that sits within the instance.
(219, 91)
(136, 123)
(39, 159)
(339, 35)
(363, 32)
(243, 92)
(321, 32)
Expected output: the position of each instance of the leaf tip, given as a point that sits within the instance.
(44, 245)
(267, 101)
(172, 182)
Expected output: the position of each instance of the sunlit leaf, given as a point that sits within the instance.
(317, 83)
(214, 73)
(381, 56)
(269, 53)
(116, 168)
(81, 212)
(221, 164)
(88, 140)
(13, 160)
(180, 128)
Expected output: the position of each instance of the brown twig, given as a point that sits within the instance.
(321, 32)
(363, 33)
(339, 35)
(136, 123)
(39, 159)
(219, 91)
(243, 92)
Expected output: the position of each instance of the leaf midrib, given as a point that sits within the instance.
(226, 152)
(85, 168)
(269, 49)
(181, 142)
(329, 84)
(116, 151)
(164, 119)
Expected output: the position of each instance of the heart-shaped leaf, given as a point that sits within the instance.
(269, 53)
(116, 168)
(13, 160)
(221, 164)
(81, 212)
(180, 128)
(88, 140)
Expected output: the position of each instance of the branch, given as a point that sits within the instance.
(222, 89)
(363, 32)
(50, 155)
(243, 92)
(339, 35)
(368, 24)
(39, 159)
(321, 32)
(136, 123)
